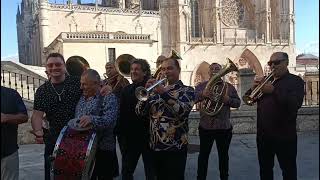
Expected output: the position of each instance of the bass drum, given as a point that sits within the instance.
(73, 156)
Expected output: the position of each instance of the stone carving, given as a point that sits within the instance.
(99, 25)
(232, 12)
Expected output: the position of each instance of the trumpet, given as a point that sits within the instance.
(143, 94)
(256, 92)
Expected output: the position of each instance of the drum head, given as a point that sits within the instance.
(74, 124)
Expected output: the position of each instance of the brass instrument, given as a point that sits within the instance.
(75, 65)
(123, 63)
(256, 92)
(212, 105)
(143, 93)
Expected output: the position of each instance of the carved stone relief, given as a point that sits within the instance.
(232, 12)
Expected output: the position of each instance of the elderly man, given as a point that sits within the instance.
(101, 112)
(276, 119)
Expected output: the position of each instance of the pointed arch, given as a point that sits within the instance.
(249, 60)
(200, 73)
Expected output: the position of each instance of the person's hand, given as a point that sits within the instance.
(225, 98)
(3, 118)
(257, 81)
(85, 121)
(267, 88)
(38, 135)
(105, 90)
(206, 93)
(150, 82)
(160, 89)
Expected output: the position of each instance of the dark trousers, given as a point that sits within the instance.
(105, 166)
(286, 152)
(48, 149)
(131, 153)
(223, 139)
(170, 165)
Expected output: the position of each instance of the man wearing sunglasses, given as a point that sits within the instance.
(276, 119)
(57, 98)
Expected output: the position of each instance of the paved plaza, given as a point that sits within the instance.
(243, 159)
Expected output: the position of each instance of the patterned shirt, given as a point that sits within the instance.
(168, 114)
(222, 119)
(58, 111)
(103, 111)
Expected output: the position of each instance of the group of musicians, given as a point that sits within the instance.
(156, 126)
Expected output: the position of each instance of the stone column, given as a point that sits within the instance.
(246, 79)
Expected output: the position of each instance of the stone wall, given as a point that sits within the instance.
(244, 121)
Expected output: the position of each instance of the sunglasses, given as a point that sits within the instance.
(50, 65)
(276, 62)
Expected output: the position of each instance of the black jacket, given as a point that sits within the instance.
(130, 125)
(277, 112)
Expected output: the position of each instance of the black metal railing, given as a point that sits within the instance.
(25, 85)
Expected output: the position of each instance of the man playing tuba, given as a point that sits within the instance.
(215, 127)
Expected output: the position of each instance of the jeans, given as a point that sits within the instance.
(207, 138)
(286, 152)
(48, 150)
(10, 167)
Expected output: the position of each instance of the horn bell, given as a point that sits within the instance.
(123, 63)
(75, 65)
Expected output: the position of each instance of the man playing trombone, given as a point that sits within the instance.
(215, 127)
(167, 110)
(277, 106)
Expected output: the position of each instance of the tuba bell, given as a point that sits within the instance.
(123, 63)
(217, 88)
(75, 65)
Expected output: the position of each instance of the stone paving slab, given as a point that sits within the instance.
(243, 159)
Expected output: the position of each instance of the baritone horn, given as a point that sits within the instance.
(256, 93)
(212, 105)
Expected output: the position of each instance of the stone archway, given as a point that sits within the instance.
(249, 60)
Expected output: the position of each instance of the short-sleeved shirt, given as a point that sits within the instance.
(58, 113)
(11, 103)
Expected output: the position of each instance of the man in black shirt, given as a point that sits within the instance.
(13, 112)
(57, 98)
(132, 131)
(276, 119)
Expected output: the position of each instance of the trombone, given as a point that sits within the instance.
(256, 92)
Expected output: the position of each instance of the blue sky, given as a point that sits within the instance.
(306, 11)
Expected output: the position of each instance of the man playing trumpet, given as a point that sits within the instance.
(167, 110)
(217, 127)
(276, 118)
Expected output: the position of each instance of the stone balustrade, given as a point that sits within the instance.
(104, 36)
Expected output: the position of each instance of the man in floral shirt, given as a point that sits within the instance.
(168, 109)
(100, 112)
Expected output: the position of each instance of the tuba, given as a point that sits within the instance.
(123, 63)
(256, 93)
(75, 65)
(217, 88)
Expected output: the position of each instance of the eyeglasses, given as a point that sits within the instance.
(50, 65)
(276, 62)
